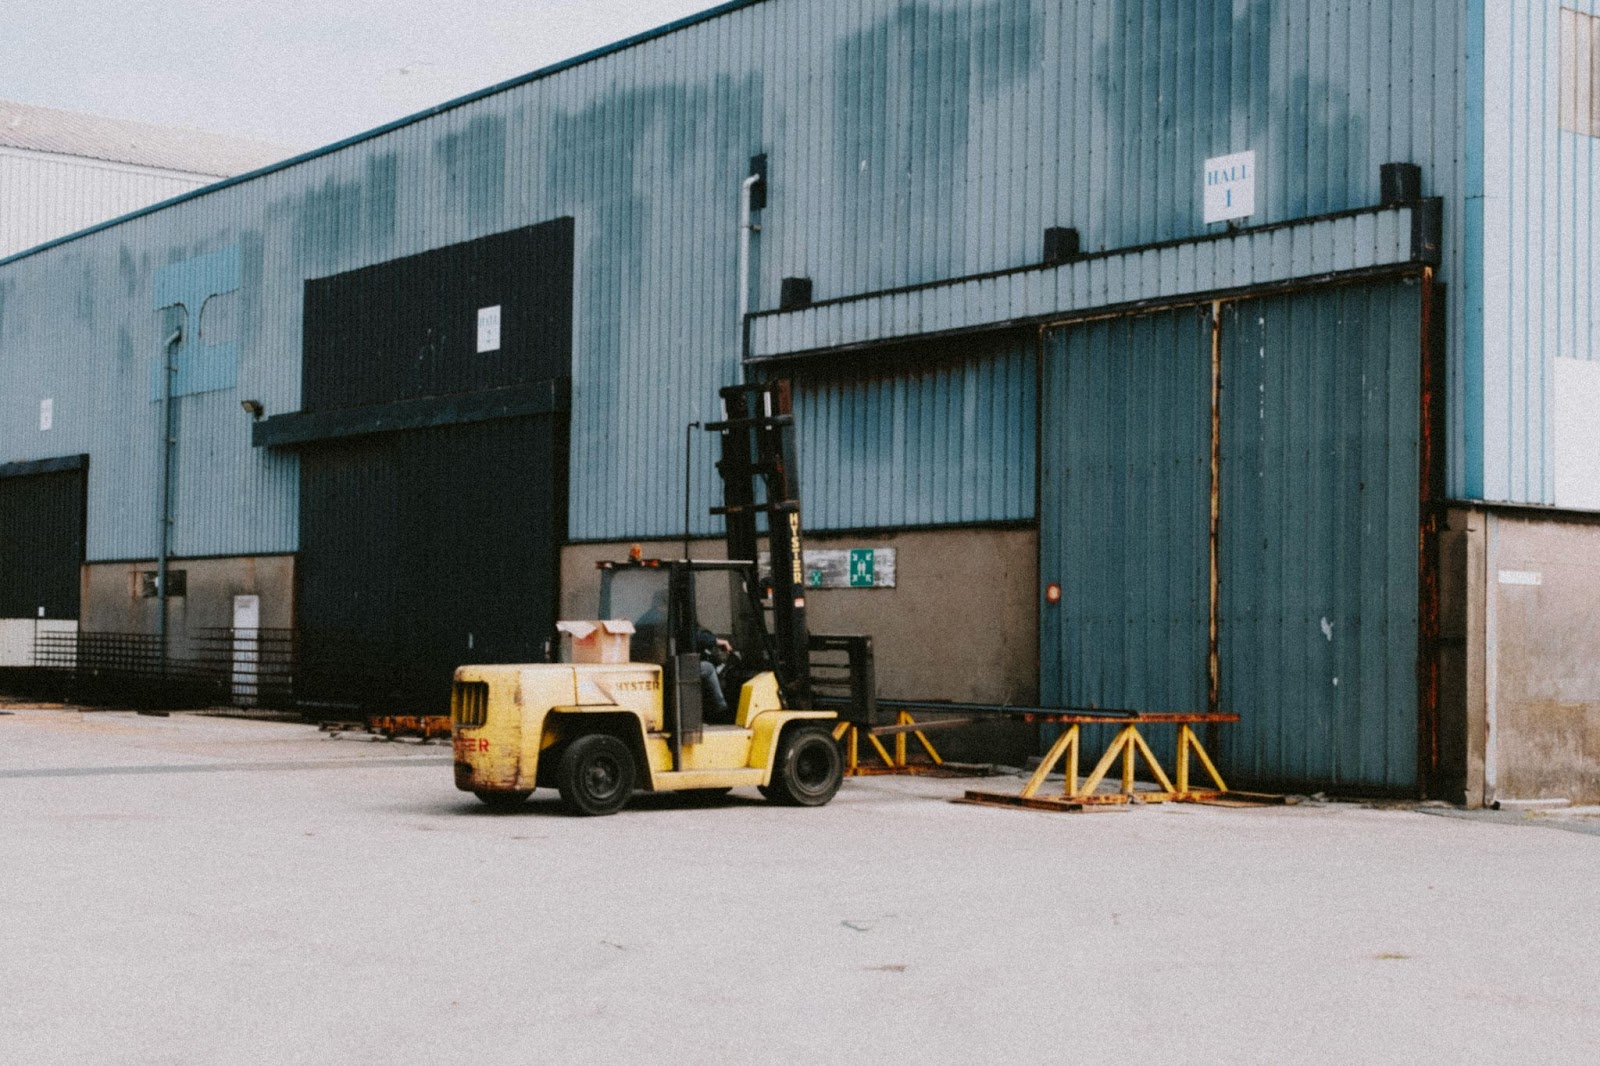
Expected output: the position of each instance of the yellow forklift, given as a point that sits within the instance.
(688, 689)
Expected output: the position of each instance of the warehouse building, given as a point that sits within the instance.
(1223, 354)
(61, 171)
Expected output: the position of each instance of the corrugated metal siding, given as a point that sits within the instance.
(1539, 235)
(45, 197)
(1319, 536)
(949, 442)
(1125, 511)
(909, 141)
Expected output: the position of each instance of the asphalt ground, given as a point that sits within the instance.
(196, 889)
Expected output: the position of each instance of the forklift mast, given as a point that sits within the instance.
(760, 476)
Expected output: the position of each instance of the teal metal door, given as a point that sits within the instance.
(1317, 553)
(1125, 500)
(1319, 536)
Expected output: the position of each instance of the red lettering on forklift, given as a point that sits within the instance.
(468, 745)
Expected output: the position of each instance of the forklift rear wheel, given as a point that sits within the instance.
(809, 769)
(504, 801)
(595, 775)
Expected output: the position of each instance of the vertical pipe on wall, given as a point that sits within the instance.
(169, 441)
(1213, 650)
(747, 229)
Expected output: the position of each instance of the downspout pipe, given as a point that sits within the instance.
(747, 229)
(169, 441)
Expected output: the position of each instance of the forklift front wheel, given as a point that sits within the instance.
(809, 769)
(595, 775)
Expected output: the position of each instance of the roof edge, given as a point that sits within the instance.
(644, 37)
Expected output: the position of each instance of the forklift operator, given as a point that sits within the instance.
(650, 645)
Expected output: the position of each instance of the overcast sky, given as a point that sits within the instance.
(300, 73)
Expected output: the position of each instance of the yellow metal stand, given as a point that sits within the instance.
(900, 762)
(1129, 745)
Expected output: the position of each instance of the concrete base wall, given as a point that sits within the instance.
(1520, 656)
(112, 604)
(961, 622)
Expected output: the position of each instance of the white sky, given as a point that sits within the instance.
(299, 73)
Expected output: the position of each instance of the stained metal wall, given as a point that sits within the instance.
(1319, 549)
(945, 435)
(1535, 231)
(43, 197)
(909, 140)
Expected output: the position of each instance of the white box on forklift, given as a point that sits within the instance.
(604, 641)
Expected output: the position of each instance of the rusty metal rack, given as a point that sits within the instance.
(1128, 746)
(897, 721)
(899, 760)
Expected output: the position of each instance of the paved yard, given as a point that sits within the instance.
(207, 890)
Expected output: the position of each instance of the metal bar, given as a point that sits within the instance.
(1214, 590)
(917, 727)
(1100, 769)
(1205, 760)
(883, 752)
(1155, 767)
(1049, 761)
(1181, 763)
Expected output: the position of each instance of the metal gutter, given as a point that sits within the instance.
(1280, 256)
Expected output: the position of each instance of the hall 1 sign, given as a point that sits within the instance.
(1229, 185)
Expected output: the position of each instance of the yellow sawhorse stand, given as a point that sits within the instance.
(1128, 746)
(900, 761)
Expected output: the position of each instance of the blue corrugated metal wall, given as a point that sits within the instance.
(1319, 526)
(909, 140)
(1539, 231)
(1320, 438)
(940, 444)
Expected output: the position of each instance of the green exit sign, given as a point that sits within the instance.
(861, 568)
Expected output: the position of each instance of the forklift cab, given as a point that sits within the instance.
(680, 610)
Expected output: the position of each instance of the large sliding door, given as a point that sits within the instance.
(433, 472)
(1316, 606)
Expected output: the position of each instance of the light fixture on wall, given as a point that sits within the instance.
(252, 408)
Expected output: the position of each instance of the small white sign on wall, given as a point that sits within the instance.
(1229, 184)
(489, 329)
(47, 415)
